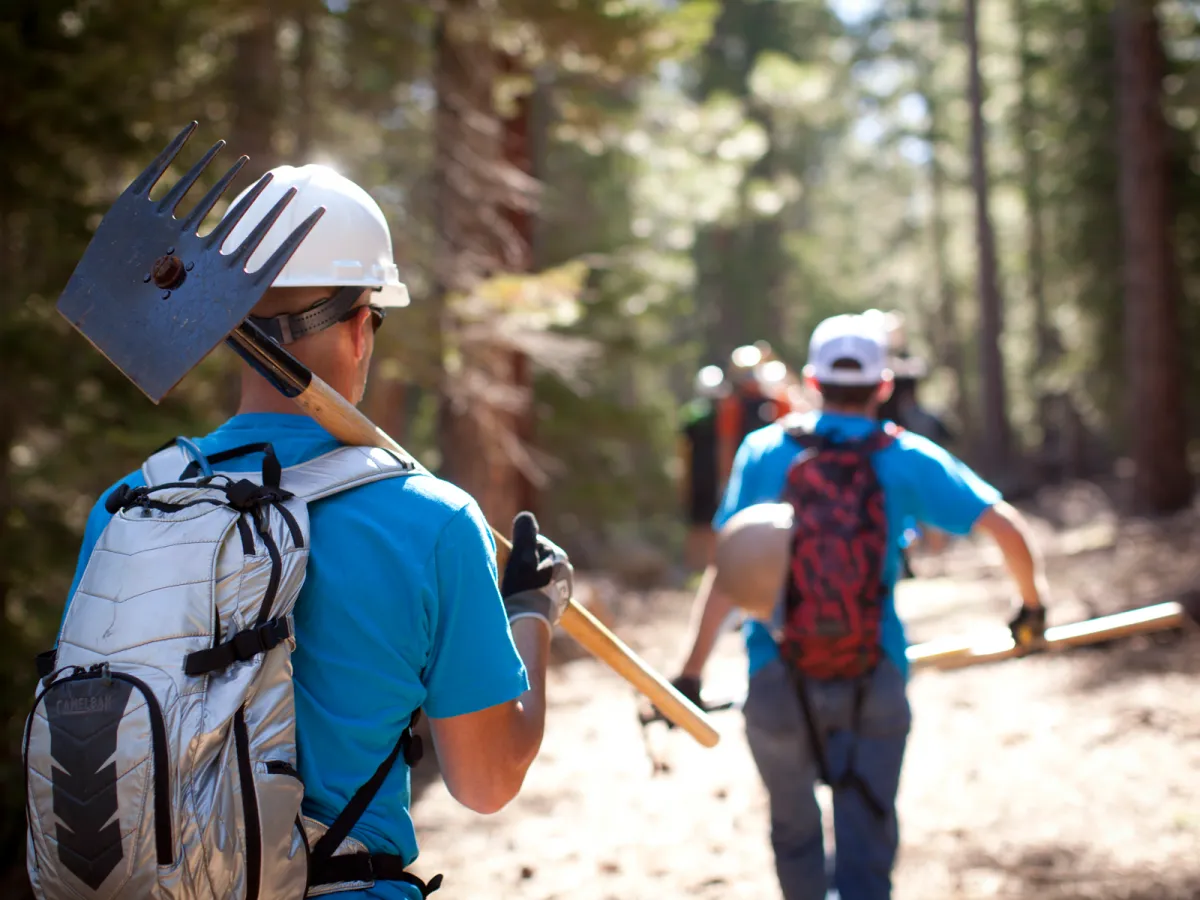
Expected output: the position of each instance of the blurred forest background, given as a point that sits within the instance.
(590, 199)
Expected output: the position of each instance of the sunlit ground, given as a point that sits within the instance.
(1053, 778)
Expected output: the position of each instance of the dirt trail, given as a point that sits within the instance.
(1075, 777)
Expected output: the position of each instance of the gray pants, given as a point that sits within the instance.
(866, 842)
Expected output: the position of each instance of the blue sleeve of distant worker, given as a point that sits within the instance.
(946, 493)
(739, 488)
(473, 663)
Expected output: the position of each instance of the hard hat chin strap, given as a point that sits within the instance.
(323, 314)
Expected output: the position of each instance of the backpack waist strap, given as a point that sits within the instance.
(367, 868)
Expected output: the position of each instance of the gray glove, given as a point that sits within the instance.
(538, 577)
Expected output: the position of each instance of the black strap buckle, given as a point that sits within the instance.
(243, 646)
(245, 495)
(46, 662)
(249, 643)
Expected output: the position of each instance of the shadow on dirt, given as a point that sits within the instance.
(1103, 665)
(1066, 872)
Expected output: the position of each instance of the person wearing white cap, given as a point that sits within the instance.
(818, 503)
(399, 610)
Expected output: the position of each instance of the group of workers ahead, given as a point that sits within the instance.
(757, 388)
(727, 404)
(811, 524)
(258, 615)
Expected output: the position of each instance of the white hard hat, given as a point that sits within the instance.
(751, 557)
(349, 246)
(708, 381)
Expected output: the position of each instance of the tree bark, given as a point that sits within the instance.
(995, 449)
(1031, 183)
(1162, 482)
(483, 229)
(947, 333)
(254, 90)
(306, 83)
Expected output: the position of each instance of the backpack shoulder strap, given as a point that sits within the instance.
(167, 463)
(881, 438)
(798, 426)
(346, 468)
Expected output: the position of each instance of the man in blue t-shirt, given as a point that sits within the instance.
(400, 609)
(920, 482)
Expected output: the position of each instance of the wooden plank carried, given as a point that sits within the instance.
(956, 653)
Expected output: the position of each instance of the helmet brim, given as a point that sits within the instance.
(391, 296)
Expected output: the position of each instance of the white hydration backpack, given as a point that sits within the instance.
(160, 755)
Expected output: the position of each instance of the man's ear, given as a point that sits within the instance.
(362, 333)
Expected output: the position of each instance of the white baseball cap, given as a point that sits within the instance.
(849, 336)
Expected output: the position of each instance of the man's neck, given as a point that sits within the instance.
(838, 409)
(260, 397)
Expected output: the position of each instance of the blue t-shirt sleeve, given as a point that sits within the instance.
(945, 492)
(473, 663)
(739, 488)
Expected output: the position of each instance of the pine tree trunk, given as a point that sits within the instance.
(255, 90)
(1031, 178)
(995, 449)
(480, 233)
(946, 331)
(949, 343)
(10, 405)
(741, 266)
(306, 83)
(1162, 482)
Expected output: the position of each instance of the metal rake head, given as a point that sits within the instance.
(154, 296)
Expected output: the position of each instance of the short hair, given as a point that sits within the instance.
(848, 394)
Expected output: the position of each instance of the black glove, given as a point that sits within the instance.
(689, 686)
(538, 578)
(1028, 627)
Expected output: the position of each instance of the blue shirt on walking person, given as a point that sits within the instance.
(850, 732)
(920, 482)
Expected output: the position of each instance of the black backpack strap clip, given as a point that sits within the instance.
(245, 495)
(46, 662)
(242, 647)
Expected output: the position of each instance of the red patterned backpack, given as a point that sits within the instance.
(835, 591)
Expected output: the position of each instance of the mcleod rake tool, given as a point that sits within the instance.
(155, 298)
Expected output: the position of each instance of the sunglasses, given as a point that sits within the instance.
(378, 314)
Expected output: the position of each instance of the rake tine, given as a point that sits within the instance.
(254, 238)
(192, 221)
(284, 252)
(145, 182)
(221, 231)
(173, 197)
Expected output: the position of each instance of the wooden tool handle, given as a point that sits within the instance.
(343, 420)
(960, 654)
(609, 649)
